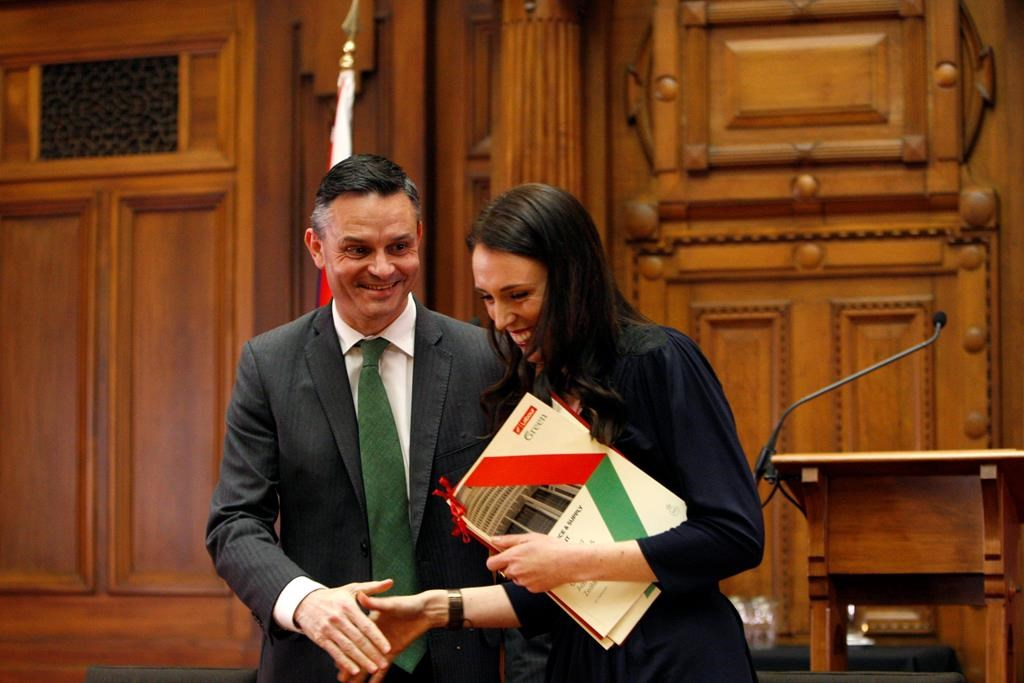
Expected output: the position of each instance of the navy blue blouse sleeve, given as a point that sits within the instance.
(681, 431)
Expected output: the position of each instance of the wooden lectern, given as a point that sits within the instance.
(928, 527)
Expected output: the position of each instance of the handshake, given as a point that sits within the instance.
(365, 633)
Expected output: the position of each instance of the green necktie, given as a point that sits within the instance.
(387, 505)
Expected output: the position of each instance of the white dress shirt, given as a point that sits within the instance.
(396, 366)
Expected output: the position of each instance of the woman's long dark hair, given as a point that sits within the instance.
(582, 315)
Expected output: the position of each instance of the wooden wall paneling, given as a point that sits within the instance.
(540, 119)
(209, 74)
(172, 300)
(47, 463)
(890, 409)
(631, 181)
(665, 79)
(464, 79)
(277, 249)
(409, 78)
(312, 125)
(976, 319)
(650, 287)
(1005, 136)
(947, 79)
(749, 344)
(148, 273)
(863, 299)
(19, 113)
(596, 78)
(838, 92)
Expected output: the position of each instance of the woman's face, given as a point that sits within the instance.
(512, 288)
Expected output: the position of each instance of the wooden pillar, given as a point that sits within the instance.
(539, 124)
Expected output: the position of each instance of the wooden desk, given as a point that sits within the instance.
(930, 527)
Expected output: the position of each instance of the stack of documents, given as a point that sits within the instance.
(544, 473)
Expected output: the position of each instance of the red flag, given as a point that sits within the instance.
(341, 148)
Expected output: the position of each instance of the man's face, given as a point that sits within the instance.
(370, 254)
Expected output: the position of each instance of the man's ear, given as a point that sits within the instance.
(315, 247)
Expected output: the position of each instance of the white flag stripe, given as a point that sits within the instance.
(341, 133)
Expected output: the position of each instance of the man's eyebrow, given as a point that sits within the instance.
(352, 239)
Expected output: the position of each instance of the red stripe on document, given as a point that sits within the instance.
(535, 470)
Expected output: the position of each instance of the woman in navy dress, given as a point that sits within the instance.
(562, 327)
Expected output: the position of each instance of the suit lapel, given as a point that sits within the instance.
(431, 373)
(327, 367)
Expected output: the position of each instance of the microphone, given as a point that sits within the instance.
(764, 470)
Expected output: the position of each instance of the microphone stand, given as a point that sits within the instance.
(764, 469)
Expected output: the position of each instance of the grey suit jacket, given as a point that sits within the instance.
(291, 453)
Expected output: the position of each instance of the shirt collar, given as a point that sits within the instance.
(401, 332)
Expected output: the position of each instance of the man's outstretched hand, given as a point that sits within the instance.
(335, 621)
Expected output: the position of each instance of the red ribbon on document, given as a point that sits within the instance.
(457, 508)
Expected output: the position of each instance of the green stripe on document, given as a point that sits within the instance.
(614, 504)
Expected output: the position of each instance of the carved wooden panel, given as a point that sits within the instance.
(780, 317)
(889, 409)
(170, 370)
(750, 96)
(46, 368)
(71, 108)
(749, 347)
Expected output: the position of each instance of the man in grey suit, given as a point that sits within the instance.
(292, 453)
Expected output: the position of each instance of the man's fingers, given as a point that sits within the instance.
(353, 642)
(364, 632)
(370, 587)
(341, 660)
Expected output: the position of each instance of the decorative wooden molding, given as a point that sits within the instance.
(207, 114)
(789, 153)
(665, 62)
(914, 149)
(540, 108)
(979, 67)
(945, 101)
(772, 11)
(668, 245)
(638, 95)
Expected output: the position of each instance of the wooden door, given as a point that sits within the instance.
(125, 290)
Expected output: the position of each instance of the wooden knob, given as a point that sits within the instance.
(971, 257)
(641, 219)
(978, 206)
(808, 256)
(666, 88)
(946, 75)
(975, 339)
(805, 186)
(651, 267)
(975, 425)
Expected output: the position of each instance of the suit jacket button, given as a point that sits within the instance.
(364, 546)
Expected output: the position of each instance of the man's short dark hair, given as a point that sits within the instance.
(361, 174)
